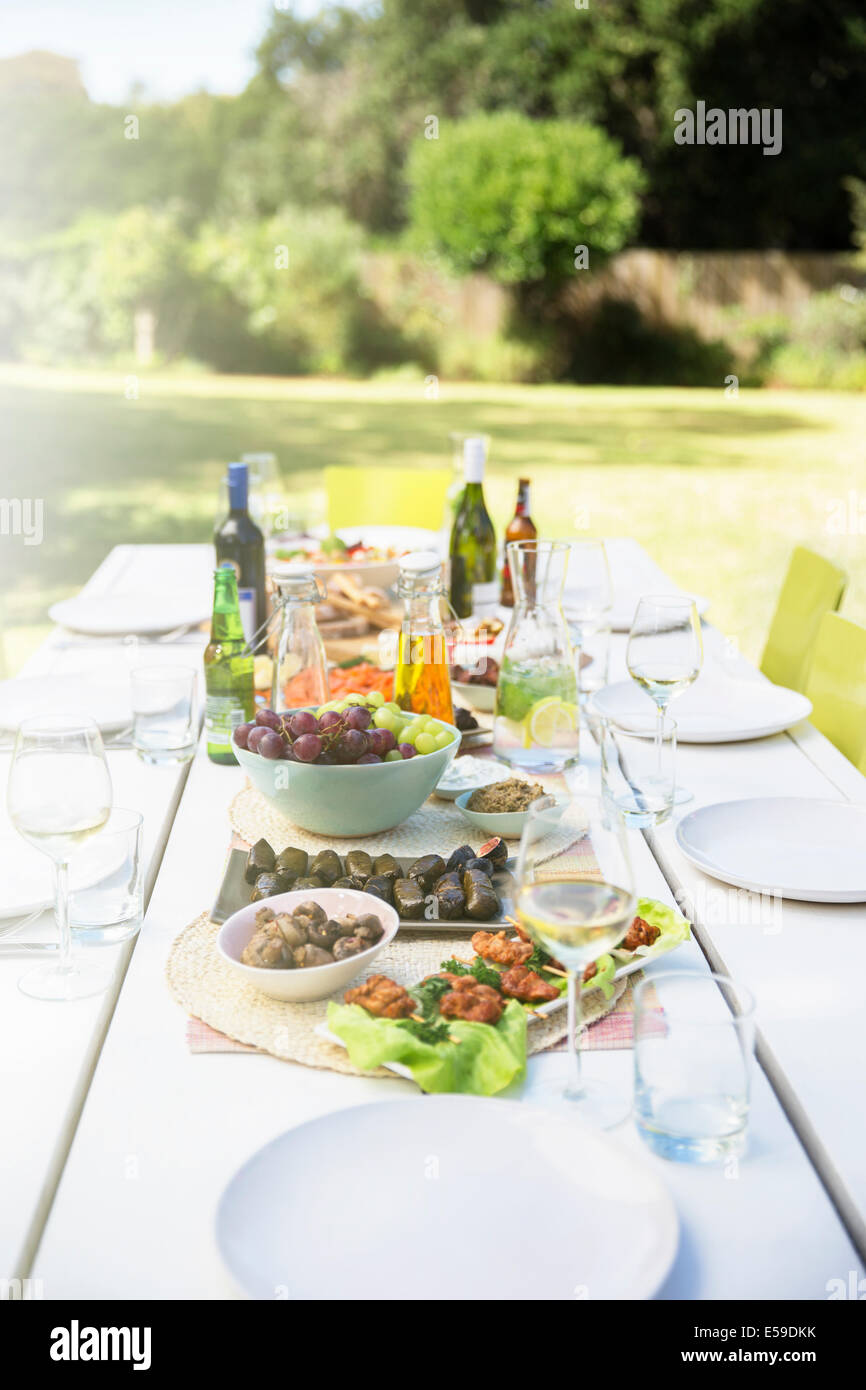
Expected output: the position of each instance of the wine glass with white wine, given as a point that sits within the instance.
(58, 795)
(664, 656)
(576, 900)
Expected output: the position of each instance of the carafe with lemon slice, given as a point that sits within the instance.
(537, 724)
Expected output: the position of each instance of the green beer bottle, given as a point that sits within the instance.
(228, 670)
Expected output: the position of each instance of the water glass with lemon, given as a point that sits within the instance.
(537, 722)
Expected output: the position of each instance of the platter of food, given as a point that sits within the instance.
(610, 1231)
(452, 891)
(464, 1027)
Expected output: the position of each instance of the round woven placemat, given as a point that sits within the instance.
(204, 985)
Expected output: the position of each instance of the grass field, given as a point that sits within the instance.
(718, 489)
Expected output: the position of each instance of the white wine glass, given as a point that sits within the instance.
(58, 795)
(664, 656)
(576, 900)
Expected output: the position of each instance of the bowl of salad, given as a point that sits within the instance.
(353, 766)
(368, 563)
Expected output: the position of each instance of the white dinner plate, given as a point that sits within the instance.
(624, 605)
(104, 699)
(814, 851)
(120, 615)
(370, 1202)
(28, 878)
(713, 710)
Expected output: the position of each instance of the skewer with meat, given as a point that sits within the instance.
(500, 949)
(640, 933)
(472, 1001)
(382, 997)
(523, 984)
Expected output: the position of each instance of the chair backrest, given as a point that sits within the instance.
(813, 586)
(386, 496)
(837, 686)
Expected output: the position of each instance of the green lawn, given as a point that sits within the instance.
(717, 489)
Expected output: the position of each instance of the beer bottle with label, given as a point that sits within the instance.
(239, 542)
(473, 542)
(520, 528)
(228, 670)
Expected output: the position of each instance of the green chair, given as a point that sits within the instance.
(837, 686)
(813, 586)
(386, 496)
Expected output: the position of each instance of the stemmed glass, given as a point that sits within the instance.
(586, 604)
(576, 899)
(59, 794)
(664, 655)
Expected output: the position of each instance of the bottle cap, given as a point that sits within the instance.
(420, 562)
(238, 485)
(474, 457)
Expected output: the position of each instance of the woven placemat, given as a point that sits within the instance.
(204, 985)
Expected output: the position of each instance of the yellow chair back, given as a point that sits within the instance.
(837, 686)
(813, 586)
(386, 496)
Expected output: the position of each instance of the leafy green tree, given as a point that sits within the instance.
(515, 197)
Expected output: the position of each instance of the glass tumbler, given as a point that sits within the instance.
(107, 904)
(638, 774)
(163, 705)
(694, 1036)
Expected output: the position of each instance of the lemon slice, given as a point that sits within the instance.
(549, 721)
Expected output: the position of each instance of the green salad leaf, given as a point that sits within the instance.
(485, 1059)
(673, 927)
(485, 974)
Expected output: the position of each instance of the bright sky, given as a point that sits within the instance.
(170, 46)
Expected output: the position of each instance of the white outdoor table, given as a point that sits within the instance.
(162, 1131)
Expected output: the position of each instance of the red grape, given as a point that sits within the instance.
(271, 746)
(357, 717)
(350, 746)
(266, 718)
(288, 753)
(241, 733)
(304, 722)
(407, 750)
(307, 748)
(381, 741)
(369, 758)
(255, 736)
(329, 720)
(326, 760)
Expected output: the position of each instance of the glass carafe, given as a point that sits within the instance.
(422, 679)
(301, 669)
(536, 723)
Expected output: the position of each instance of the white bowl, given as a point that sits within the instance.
(508, 825)
(316, 981)
(483, 697)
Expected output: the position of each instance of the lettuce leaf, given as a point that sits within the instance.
(484, 1061)
(673, 928)
(603, 977)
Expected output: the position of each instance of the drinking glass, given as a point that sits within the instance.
(163, 703)
(576, 899)
(664, 656)
(536, 723)
(108, 905)
(694, 1037)
(266, 502)
(586, 604)
(58, 795)
(634, 781)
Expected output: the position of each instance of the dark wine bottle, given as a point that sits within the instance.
(521, 527)
(473, 540)
(240, 543)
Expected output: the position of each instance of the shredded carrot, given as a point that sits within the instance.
(361, 680)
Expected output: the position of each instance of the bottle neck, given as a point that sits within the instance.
(226, 621)
(522, 508)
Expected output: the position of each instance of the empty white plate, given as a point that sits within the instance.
(120, 615)
(713, 710)
(28, 877)
(814, 851)
(374, 1202)
(99, 697)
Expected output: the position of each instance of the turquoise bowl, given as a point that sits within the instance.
(353, 800)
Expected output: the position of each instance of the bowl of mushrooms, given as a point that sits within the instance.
(307, 944)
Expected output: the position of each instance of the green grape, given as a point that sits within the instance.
(354, 699)
(425, 742)
(407, 734)
(393, 707)
(443, 740)
(395, 756)
(376, 699)
(384, 719)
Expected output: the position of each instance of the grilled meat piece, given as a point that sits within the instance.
(472, 1001)
(591, 970)
(382, 997)
(520, 983)
(640, 933)
(500, 949)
